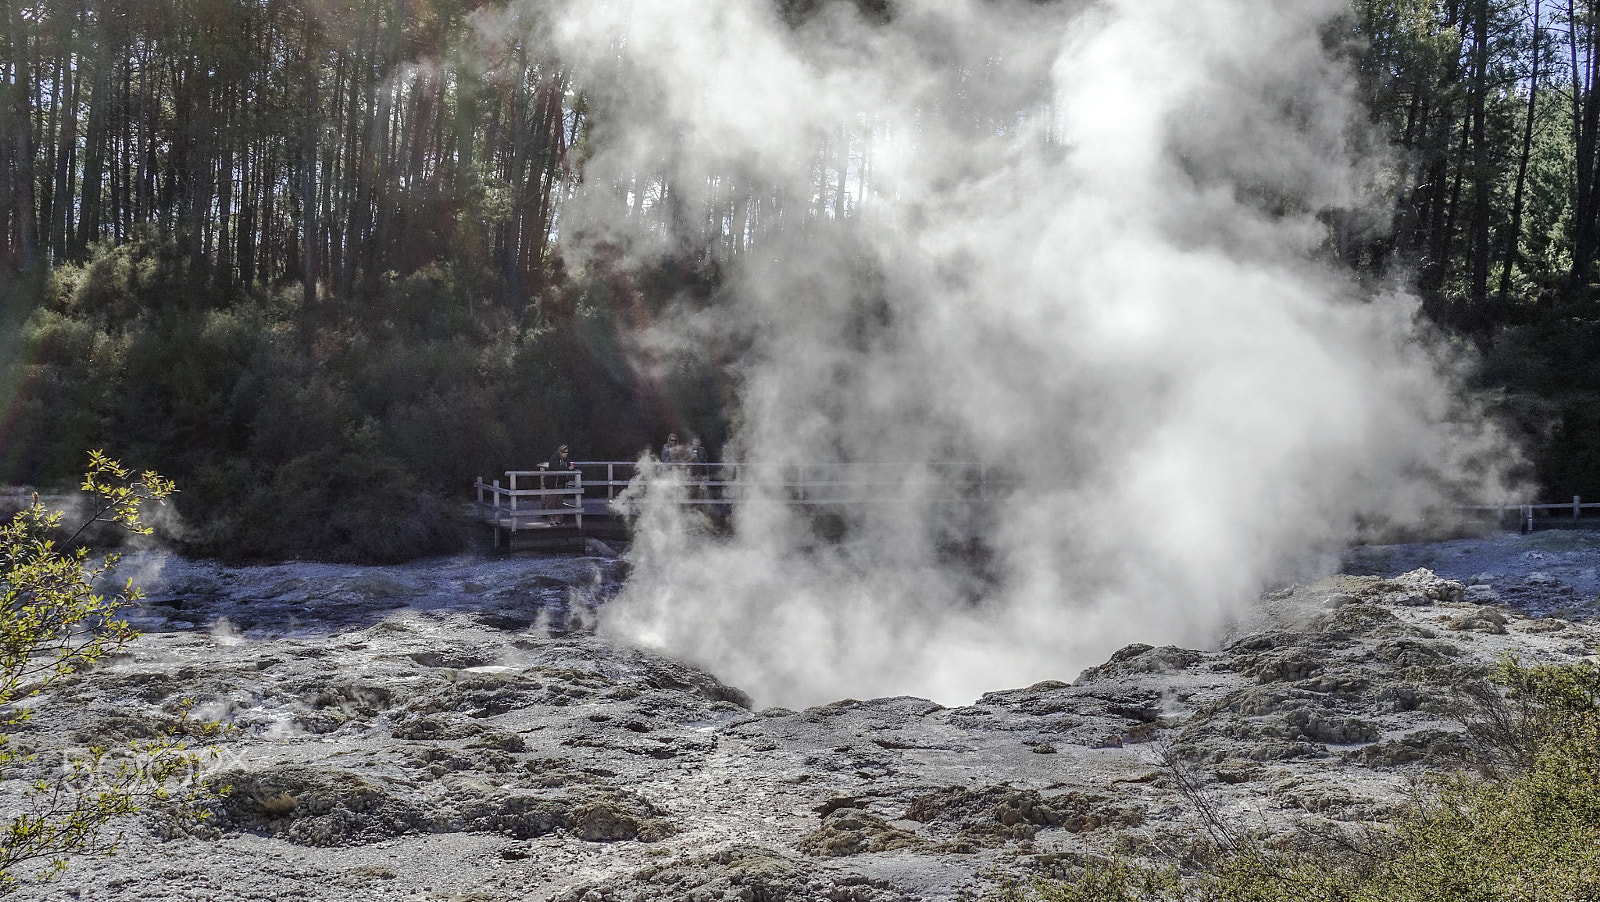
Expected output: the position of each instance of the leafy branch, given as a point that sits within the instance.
(55, 621)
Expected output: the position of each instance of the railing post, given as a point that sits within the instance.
(611, 481)
(1577, 507)
(577, 489)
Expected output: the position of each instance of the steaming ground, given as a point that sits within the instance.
(1084, 245)
(453, 730)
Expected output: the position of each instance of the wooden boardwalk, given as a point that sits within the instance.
(550, 505)
(555, 506)
(1530, 516)
(562, 509)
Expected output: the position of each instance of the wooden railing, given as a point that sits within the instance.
(513, 508)
(822, 483)
(1527, 512)
(560, 495)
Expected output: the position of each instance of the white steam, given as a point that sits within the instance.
(1077, 243)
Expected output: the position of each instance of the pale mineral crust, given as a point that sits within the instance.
(454, 730)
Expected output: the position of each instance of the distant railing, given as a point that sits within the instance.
(1527, 512)
(560, 495)
(816, 484)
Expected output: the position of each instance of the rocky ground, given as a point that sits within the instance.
(451, 730)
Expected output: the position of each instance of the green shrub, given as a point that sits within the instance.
(343, 505)
(55, 621)
(435, 300)
(1114, 880)
(336, 430)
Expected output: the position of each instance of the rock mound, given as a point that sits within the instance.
(740, 873)
(312, 807)
(851, 831)
(995, 814)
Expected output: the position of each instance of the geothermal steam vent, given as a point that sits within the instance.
(1073, 242)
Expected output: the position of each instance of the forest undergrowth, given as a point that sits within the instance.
(342, 431)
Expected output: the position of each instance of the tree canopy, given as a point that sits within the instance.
(363, 198)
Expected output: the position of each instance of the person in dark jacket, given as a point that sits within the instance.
(695, 457)
(560, 462)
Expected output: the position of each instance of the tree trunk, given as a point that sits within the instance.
(23, 144)
(308, 175)
(1584, 207)
(1479, 245)
(94, 149)
(1435, 239)
(1514, 238)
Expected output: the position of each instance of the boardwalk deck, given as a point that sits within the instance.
(559, 509)
(550, 502)
(569, 505)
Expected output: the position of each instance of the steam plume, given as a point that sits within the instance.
(1079, 244)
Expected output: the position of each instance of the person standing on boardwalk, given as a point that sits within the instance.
(695, 457)
(560, 462)
(672, 451)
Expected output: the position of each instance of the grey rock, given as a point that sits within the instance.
(453, 730)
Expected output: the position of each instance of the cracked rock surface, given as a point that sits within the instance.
(452, 730)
